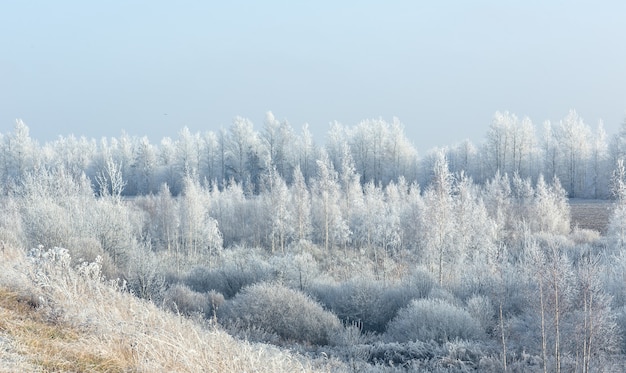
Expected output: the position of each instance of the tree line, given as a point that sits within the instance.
(378, 151)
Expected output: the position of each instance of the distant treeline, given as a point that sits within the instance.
(375, 150)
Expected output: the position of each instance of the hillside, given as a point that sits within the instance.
(53, 318)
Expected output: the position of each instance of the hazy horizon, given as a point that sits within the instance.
(444, 69)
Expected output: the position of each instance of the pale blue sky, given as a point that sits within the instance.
(442, 67)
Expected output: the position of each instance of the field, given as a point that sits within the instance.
(591, 214)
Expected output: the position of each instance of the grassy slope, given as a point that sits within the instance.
(83, 325)
(31, 343)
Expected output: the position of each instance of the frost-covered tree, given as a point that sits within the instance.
(352, 191)
(597, 334)
(301, 206)
(599, 168)
(499, 141)
(331, 228)
(188, 154)
(510, 144)
(110, 181)
(438, 218)
(401, 156)
(277, 137)
(411, 217)
(53, 207)
(464, 157)
(245, 160)
(306, 153)
(474, 231)
(378, 226)
(524, 148)
(114, 225)
(75, 155)
(122, 151)
(166, 221)
(278, 214)
(368, 231)
(144, 167)
(210, 157)
(522, 199)
(617, 223)
(229, 207)
(550, 150)
(573, 136)
(199, 231)
(566, 296)
(167, 162)
(336, 137)
(497, 197)
(551, 208)
(377, 150)
(618, 144)
(18, 152)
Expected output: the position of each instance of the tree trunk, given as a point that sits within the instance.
(501, 316)
(544, 346)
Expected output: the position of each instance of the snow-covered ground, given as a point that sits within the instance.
(591, 213)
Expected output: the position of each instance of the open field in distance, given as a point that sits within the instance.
(591, 213)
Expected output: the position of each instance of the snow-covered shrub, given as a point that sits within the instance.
(236, 269)
(433, 319)
(144, 273)
(358, 300)
(620, 319)
(402, 354)
(46, 223)
(228, 280)
(420, 282)
(584, 236)
(371, 303)
(295, 270)
(482, 310)
(277, 309)
(180, 299)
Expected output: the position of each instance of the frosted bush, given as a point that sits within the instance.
(359, 300)
(145, 273)
(228, 280)
(295, 270)
(237, 269)
(370, 302)
(277, 309)
(183, 300)
(482, 310)
(433, 319)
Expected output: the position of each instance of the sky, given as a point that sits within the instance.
(98, 68)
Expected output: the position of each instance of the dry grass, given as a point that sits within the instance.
(35, 344)
(63, 321)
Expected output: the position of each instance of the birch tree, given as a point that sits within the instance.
(199, 231)
(277, 136)
(301, 205)
(572, 136)
(438, 214)
(277, 209)
(326, 205)
(18, 152)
